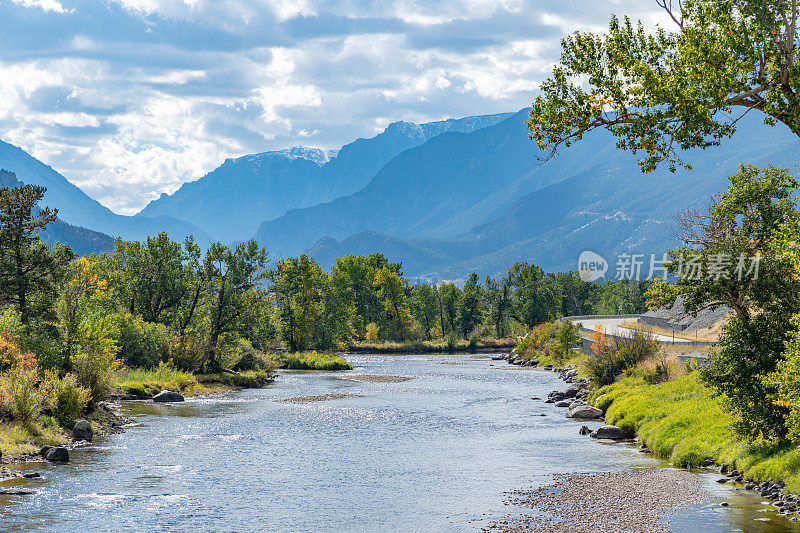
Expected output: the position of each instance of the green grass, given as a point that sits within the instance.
(683, 421)
(146, 383)
(312, 361)
(250, 379)
(17, 440)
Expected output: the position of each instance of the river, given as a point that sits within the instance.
(436, 453)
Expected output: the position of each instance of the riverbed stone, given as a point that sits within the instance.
(57, 454)
(168, 396)
(608, 432)
(564, 403)
(82, 430)
(585, 411)
(584, 430)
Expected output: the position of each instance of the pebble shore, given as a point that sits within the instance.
(604, 502)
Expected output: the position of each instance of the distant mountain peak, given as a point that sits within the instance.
(314, 155)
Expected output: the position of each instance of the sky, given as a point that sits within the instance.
(132, 98)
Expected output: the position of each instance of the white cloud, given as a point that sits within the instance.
(46, 5)
(152, 100)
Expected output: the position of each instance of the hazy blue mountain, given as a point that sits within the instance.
(480, 202)
(230, 202)
(82, 241)
(77, 208)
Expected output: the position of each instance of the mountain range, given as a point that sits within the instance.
(78, 209)
(230, 202)
(446, 198)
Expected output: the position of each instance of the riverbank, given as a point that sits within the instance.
(430, 347)
(679, 420)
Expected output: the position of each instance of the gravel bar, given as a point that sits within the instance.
(639, 501)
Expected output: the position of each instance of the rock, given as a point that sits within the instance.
(168, 396)
(723, 468)
(723, 504)
(739, 479)
(57, 455)
(573, 390)
(608, 432)
(564, 403)
(535, 398)
(584, 430)
(722, 480)
(31, 475)
(644, 450)
(82, 430)
(44, 449)
(585, 411)
(709, 462)
(16, 492)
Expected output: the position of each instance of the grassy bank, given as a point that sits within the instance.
(422, 347)
(684, 422)
(311, 361)
(147, 383)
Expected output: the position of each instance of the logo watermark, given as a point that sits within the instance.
(593, 266)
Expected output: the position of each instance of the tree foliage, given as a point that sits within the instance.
(665, 90)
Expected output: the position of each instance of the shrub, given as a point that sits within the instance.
(11, 326)
(611, 356)
(65, 399)
(95, 362)
(19, 397)
(565, 339)
(312, 361)
(737, 370)
(187, 352)
(473, 343)
(371, 332)
(451, 341)
(141, 344)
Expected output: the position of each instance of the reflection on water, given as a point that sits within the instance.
(435, 453)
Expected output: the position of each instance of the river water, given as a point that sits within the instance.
(436, 453)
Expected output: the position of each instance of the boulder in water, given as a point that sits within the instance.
(168, 396)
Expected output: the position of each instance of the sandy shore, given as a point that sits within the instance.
(605, 502)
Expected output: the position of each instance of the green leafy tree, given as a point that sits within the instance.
(470, 312)
(497, 297)
(662, 91)
(449, 302)
(425, 307)
(536, 297)
(297, 286)
(231, 274)
(730, 259)
(577, 296)
(392, 291)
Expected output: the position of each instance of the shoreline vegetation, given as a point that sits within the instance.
(670, 410)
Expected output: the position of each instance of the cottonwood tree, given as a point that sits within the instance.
(666, 90)
(231, 275)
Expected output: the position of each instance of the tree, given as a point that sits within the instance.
(667, 90)
(498, 302)
(730, 258)
(154, 275)
(470, 312)
(536, 298)
(449, 302)
(391, 289)
(577, 296)
(425, 307)
(231, 274)
(29, 270)
(297, 285)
